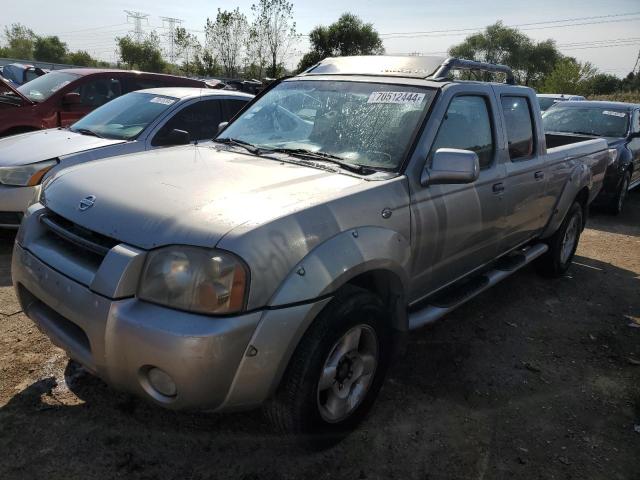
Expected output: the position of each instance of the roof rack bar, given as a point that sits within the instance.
(452, 63)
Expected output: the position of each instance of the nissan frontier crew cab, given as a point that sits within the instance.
(283, 264)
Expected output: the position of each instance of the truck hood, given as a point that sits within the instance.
(6, 87)
(190, 195)
(43, 145)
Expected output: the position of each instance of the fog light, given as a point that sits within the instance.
(162, 382)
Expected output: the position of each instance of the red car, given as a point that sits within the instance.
(61, 97)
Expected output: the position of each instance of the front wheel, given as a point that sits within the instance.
(562, 244)
(334, 376)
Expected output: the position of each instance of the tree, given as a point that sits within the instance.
(49, 49)
(530, 61)
(348, 36)
(274, 19)
(189, 49)
(571, 77)
(226, 37)
(604, 84)
(20, 41)
(81, 58)
(145, 55)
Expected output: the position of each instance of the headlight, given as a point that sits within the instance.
(613, 156)
(26, 175)
(194, 279)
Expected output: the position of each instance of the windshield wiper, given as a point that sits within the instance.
(250, 147)
(321, 156)
(86, 131)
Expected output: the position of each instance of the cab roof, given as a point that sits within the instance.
(413, 67)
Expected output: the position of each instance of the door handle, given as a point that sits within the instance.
(498, 187)
(539, 175)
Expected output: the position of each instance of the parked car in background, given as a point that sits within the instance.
(547, 100)
(619, 124)
(284, 263)
(134, 122)
(62, 97)
(19, 74)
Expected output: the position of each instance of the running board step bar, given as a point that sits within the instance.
(452, 300)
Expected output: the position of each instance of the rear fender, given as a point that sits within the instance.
(579, 178)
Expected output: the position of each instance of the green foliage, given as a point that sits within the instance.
(81, 58)
(604, 84)
(275, 30)
(226, 38)
(49, 49)
(20, 41)
(348, 36)
(530, 61)
(145, 55)
(571, 77)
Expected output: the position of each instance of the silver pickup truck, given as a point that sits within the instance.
(283, 264)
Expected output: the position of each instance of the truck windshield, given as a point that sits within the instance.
(547, 102)
(41, 88)
(125, 117)
(596, 121)
(368, 124)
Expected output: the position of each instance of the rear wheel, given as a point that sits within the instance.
(335, 374)
(617, 203)
(562, 244)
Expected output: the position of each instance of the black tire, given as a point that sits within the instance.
(554, 262)
(295, 409)
(617, 203)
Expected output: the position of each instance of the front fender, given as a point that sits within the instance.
(579, 178)
(341, 258)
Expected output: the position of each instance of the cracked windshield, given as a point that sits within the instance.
(366, 124)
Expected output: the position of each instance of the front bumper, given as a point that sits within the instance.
(216, 363)
(13, 202)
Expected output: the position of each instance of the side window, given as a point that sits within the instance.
(467, 126)
(98, 91)
(200, 119)
(230, 108)
(635, 126)
(519, 125)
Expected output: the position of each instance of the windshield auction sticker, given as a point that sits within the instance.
(411, 98)
(615, 114)
(162, 100)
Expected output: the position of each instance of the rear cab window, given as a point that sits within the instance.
(519, 126)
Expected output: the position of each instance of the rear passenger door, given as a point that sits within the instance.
(525, 181)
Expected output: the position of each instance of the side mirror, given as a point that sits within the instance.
(451, 166)
(176, 137)
(71, 98)
(222, 126)
(633, 135)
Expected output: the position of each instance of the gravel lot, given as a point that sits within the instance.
(534, 379)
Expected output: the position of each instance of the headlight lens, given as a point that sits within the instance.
(194, 279)
(25, 175)
(613, 156)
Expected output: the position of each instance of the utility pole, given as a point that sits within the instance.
(171, 35)
(138, 17)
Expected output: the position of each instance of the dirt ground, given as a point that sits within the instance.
(534, 379)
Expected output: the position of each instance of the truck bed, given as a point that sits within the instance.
(559, 139)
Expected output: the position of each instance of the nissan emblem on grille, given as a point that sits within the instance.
(87, 202)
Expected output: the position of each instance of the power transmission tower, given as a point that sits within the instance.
(171, 35)
(138, 17)
(637, 63)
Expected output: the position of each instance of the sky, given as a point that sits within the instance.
(612, 44)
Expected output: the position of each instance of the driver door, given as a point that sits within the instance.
(457, 228)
